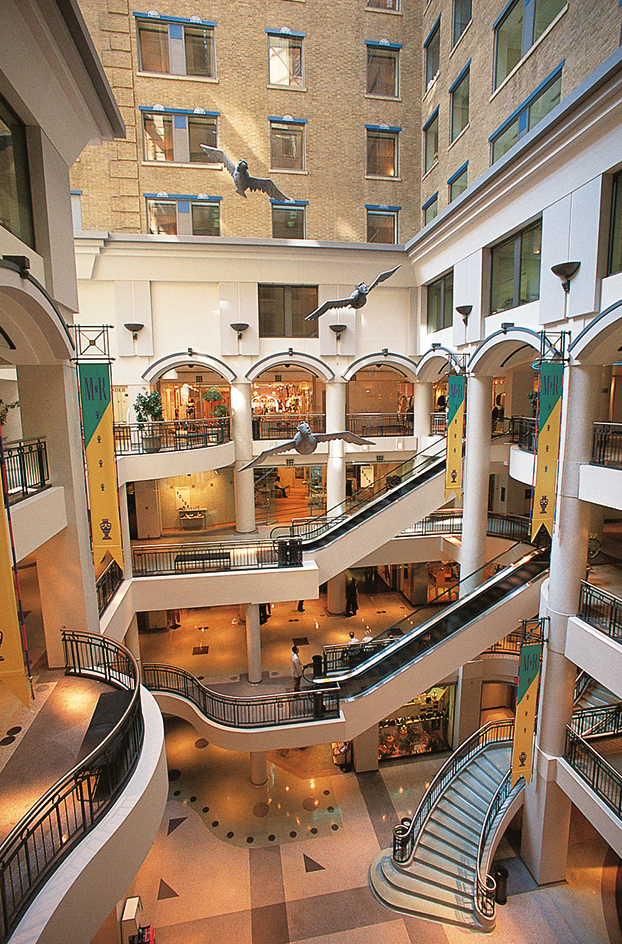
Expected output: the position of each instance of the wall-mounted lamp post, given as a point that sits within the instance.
(240, 327)
(464, 311)
(338, 329)
(566, 271)
(134, 327)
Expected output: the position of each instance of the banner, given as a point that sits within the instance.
(527, 700)
(456, 387)
(549, 422)
(12, 668)
(97, 429)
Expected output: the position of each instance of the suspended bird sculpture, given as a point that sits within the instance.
(241, 177)
(305, 442)
(356, 300)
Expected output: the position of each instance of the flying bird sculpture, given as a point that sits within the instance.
(305, 442)
(356, 300)
(241, 177)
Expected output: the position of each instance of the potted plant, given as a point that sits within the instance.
(4, 410)
(148, 408)
(216, 400)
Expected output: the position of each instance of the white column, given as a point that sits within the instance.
(335, 423)
(253, 643)
(475, 480)
(547, 809)
(423, 396)
(242, 431)
(365, 750)
(259, 768)
(132, 641)
(336, 594)
(125, 533)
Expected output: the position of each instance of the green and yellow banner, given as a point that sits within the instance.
(97, 429)
(12, 667)
(456, 388)
(527, 702)
(549, 423)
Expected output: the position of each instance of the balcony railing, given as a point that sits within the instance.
(70, 809)
(486, 884)
(138, 439)
(152, 560)
(285, 425)
(524, 432)
(107, 585)
(27, 468)
(601, 610)
(605, 721)
(380, 424)
(438, 424)
(595, 771)
(607, 445)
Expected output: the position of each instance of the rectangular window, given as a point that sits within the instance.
(174, 135)
(384, 4)
(382, 152)
(430, 209)
(462, 18)
(382, 225)
(283, 309)
(432, 53)
(76, 209)
(521, 23)
(458, 182)
(205, 219)
(383, 70)
(287, 145)
(183, 216)
(460, 102)
(527, 115)
(515, 270)
(430, 142)
(288, 222)
(440, 303)
(285, 59)
(176, 47)
(15, 205)
(615, 235)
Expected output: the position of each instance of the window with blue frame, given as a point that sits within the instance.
(382, 224)
(515, 269)
(382, 151)
(383, 69)
(183, 215)
(285, 63)
(459, 92)
(288, 220)
(175, 45)
(462, 18)
(432, 53)
(430, 141)
(518, 27)
(15, 202)
(176, 134)
(615, 232)
(533, 109)
(287, 143)
(430, 209)
(458, 182)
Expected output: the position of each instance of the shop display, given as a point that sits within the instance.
(422, 726)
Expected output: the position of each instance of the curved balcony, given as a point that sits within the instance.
(146, 438)
(285, 425)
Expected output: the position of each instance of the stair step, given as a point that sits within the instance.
(453, 837)
(413, 885)
(443, 875)
(462, 806)
(459, 857)
(446, 815)
(466, 797)
(423, 907)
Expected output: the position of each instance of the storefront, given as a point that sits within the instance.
(422, 726)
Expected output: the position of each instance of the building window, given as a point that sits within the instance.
(430, 209)
(288, 222)
(384, 5)
(440, 303)
(432, 53)
(517, 29)
(283, 309)
(383, 62)
(430, 142)
(175, 46)
(533, 109)
(173, 134)
(462, 18)
(615, 236)
(515, 270)
(285, 59)
(459, 92)
(382, 158)
(287, 144)
(382, 224)
(177, 215)
(76, 209)
(458, 182)
(15, 205)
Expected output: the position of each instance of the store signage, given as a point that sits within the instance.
(12, 668)
(527, 702)
(547, 454)
(456, 388)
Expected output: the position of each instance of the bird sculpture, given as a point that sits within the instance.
(356, 300)
(305, 442)
(241, 177)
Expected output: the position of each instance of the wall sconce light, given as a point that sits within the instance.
(465, 311)
(400, 444)
(436, 346)
(338, 329)
(134, 327)
(240, 327)
(385, 351)
(566, 271)
(506, 325)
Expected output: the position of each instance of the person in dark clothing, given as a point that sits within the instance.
(351, 598)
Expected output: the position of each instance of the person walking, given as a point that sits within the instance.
(351, 598)
(296, 668)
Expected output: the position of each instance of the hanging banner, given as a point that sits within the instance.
(456, 387)
(12, 668)
(97, 429)
(549, 422)
(527, 701)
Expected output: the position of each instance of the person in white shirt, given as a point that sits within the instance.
(296, 668)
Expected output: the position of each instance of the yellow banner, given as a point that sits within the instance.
(527, 701)
(12, 668)
(549, 423)
(455, 428)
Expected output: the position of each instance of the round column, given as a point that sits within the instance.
(125, 533)
(475, 481)
(336, 465)
(253, 643)
(423, 396)
(259, 768)
(242, 432)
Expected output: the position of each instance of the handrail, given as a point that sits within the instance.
(107, 585)
(486, 886)
(170, 435)
(607, 445)
(380, 424)
(285, 425)
(197, 558)
(581, 683)
(604, 721)
(524, 432)
(406, 833)
(69, 810)
(257, 711)
(26, 467)
(594, 770)
(600, 609)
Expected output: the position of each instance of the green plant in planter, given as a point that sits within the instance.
(533, 399)
(4, 410)
(215, 398)
(148, 407)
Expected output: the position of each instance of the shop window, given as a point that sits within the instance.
(515, 270)
(382, 224)
(288, 222)
(430, 141)
(15, 205)
(183, 216)
(440, 303)
(171, 134)
(175, 46)
(458, 182)
(615, 236)
(287, 145)
(285, 59)
(422, 726)
(283, 309)
(383, 61)
(382, 157)
(521, 23)
(460, 102)
(432, 53)
(527, 115)
(462, 18)
(430, 209)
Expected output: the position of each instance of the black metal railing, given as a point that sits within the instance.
(170, 436)
(600, 609)
(604, 721)
(594, 771)
(405, 834)
(582, 681)
(486, 885)
(152, 560)
(524, 432)
(64, 815)
(607, 445)
(438, 424)
(509, 644)
(27, 468)
(107, 585)
(380, 424)
(258, 711)
(512, 527)
(285, 425)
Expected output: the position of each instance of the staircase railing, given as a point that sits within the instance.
(605, 721)
(70, 809)
(582, 682)
(107, 585)
(258, 711)
(595, 771)
(406, 833)
(600, 609)
(486, 887)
